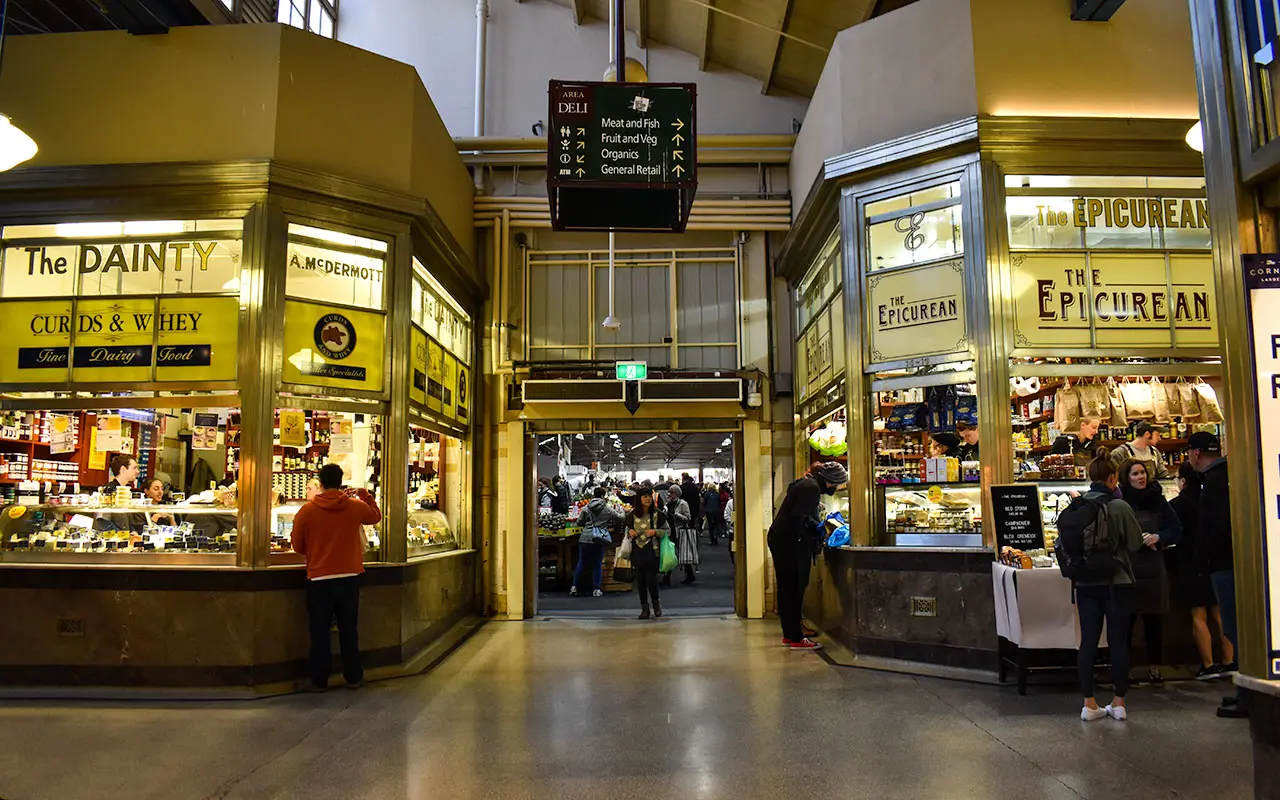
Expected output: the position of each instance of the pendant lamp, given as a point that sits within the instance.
(15, 145)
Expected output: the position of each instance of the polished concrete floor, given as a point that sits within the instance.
(605, 709)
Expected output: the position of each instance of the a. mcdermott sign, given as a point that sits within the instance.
(917, 312)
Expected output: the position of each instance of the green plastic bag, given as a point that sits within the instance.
(667, 555)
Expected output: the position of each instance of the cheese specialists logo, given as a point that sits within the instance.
(335, 336)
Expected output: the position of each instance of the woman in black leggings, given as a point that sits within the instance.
(646, 526)
(1110, 599)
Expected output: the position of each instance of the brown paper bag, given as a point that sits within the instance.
(1173, 399)
(1210, 411)
(1066, 409)
(1159, 401)
(1190, 402)
(1094, 401)
(1137, 401)
(1116, 403)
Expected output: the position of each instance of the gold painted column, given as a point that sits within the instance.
(261, 304)
(510, 555)
(395, 434)
(757, 501)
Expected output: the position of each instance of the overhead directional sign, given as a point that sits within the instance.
(621, 156)
(631, 370)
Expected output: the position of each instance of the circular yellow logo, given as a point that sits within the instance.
(16, 511)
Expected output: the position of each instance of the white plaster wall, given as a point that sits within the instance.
(529, 44)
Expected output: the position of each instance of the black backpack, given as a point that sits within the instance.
(1085, 548)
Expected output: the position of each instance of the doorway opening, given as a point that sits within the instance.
(586, 485)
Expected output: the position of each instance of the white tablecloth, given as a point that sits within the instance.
(1034, 608)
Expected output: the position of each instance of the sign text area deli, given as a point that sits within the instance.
(188, 338)
(1262, 285)
(333, 346)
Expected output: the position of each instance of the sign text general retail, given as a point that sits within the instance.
(119, 339)
(917, 312)
(1114, 300)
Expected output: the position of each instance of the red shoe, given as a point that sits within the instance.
(803, 644)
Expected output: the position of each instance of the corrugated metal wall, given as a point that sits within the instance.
(257, 10)
(565, 309)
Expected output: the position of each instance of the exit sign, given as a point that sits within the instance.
(631, 370)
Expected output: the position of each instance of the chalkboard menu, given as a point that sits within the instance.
(1015, 510)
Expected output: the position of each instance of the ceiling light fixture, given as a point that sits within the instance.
(15, 145)
(1195, 137)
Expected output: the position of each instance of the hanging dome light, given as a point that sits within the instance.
(1195, 137)
(15, 145)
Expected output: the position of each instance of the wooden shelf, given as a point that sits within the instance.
(1034, 420)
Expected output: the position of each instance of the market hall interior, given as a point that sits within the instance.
(904, 238)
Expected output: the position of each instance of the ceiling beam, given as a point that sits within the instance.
(785, 7)
(706, 35)
(642, 24)
(579, 11)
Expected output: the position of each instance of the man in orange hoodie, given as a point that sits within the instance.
(327, 531)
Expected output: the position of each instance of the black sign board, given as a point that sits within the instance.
(621, 156)
(1015, 510)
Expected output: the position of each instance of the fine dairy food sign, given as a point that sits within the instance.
(918, 312)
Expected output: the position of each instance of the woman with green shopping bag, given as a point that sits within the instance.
(681, 530)
(646, 528)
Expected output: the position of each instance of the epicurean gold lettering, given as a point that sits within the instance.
(1140, 212)
(142, 257)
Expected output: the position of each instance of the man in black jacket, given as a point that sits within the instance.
(793, 541)
(560, 499)
(690, 494)
(1214, 552)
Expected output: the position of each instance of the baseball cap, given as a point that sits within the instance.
(1203, 440)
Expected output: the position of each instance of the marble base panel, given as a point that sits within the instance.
(1264, 726)
(864, 600)
(152, 627)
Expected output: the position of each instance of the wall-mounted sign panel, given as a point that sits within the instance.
(917, 312)
(333, 346)
(621, 155)
(1113, 300)
(418, 366)
(1262, 284)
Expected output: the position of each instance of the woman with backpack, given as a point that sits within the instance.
(1097, 534)
(1160, 529)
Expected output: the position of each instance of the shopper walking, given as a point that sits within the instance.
(559, 495)
(646, 526)
(728, 523)
(690, 493)
(680, 525)
(328, 532)
(794, 541)
(1160, 530)
(1214, 551)
(1106, 598)
(596, 520)
(713, 511)
(1191, 583)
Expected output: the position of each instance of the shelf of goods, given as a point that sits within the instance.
(939, 513)
(85, 524)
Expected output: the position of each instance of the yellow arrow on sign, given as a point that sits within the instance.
(582, 131)
(582, 145)
(581, 172)
(678, 124)
(677, 169)
(677, 138)
(678, 155)
(581, 159)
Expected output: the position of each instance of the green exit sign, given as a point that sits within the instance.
(631, 370)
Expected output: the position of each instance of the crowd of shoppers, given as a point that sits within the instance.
(1157, 550)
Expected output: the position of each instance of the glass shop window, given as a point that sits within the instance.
(304, 442)
(132, 482)
(916, 227)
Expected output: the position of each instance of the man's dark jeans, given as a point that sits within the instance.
(327, 600)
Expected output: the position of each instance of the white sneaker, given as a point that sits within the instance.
(573, 591)
(1117, 713)
(597, 593)
(1092, 714)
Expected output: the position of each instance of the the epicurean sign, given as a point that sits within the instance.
(917, 312)
(1113, 300)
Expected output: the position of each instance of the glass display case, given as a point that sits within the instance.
(933, 515)
(434, 492)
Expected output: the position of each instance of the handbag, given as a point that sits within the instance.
(1138, 403)
(1116, 402)
(602, 535)
(623, 572)
(1210, 410)
(667, 555)
(624, 549)
(1066, 409)
(1160, 401)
